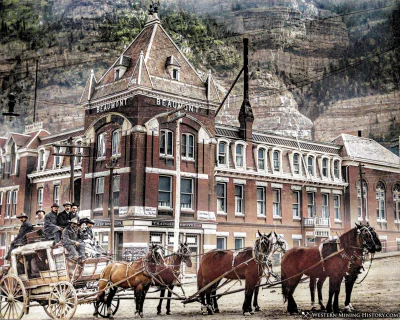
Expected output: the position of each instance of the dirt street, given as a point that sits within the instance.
(379, 292)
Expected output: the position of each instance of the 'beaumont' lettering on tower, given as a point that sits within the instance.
(175, 105)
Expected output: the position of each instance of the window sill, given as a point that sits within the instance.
(277, 217)
(98, 210)
(185, 210)
(169, 209)
(117, 155)
(188, 159)
(297, 218)
(338, 220)
(239, 215)
(222, 214)
(260, 216)
(396, 221)
(381, 220)
(101, 159)
(168, 157)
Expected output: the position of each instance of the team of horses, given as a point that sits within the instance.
(337, 259)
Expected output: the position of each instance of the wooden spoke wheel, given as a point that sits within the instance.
(46, 309)
(103, 307)
(13, 298)
(62, 301)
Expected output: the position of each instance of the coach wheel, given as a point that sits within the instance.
(13, 298)
(103, 307)
(62, 301)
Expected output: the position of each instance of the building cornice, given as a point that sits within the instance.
(375, 165)
(48, 175)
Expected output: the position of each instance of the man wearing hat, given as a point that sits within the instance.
(26, 227)
(51, 229)
(39, 221)
(63, 217)
(72, 241)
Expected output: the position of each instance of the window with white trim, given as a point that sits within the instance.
(78, 154)
(115, 190)
(396, 202)
(156, 238)
(8, 203)
(325, 205)
(41, 160)
(296, 163)
(186, 193)
(276, 160)
(276, 203)
(1, 203)
(362, 205)
(166, 143)
(261, 201)
(296, 204)
(261, 159)
(311, 204)
(336, 206)
(175, 74)
(239, 209)
(239, 243)
(99, 193)
(101, 145)
(336, 169)
(56, 194)
(13, 159)
(57, 159)
(325, 167)
(380, 198)
(187, 146)
(223, 153)
(165, 192)
(221, 197)
(40, 198)
(310, 165)
(221, 243)
(115, 143)
(239, 155)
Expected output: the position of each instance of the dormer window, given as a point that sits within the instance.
(121, 66)
(173, 67)
(41, 160)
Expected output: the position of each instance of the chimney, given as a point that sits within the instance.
(246, 117)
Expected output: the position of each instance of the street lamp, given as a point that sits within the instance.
(11, 115)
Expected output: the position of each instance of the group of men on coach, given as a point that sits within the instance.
(64, 228)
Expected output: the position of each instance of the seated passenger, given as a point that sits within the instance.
(20, 265)
(72, 241)
(39, 263)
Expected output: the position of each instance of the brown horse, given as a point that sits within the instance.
(168, 274)
(333, 261)
(352, 273)
(248, 264)
(136, 274)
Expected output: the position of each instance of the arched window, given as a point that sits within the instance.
(78, 154)
(40, 198)
(187, 146)
(115, 145)
(381, 204)
(101, 145)
(239, 155)
(362, 204)
(261, 159)
(396, 200)
(310, 165)
(57, 159)
(166, 143)
(222, 153)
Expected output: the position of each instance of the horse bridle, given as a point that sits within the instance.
(260, 257)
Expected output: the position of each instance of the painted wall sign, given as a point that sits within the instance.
(175, 105)
(107, 223)
(171, 224)
(110, 105)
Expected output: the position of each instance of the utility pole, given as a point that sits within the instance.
(177, 216)
(113, 165)
(362, 189)
(36, 82)
(70, 152)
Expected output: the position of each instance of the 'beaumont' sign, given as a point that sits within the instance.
(175, 105)
(111, 105)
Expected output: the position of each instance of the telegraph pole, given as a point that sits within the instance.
(113, 165)
(70, 152)
(362, 189)
(178, 119)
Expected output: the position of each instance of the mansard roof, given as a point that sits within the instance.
(157, 48)
(366, 150)
(62, 136)
(302, 145)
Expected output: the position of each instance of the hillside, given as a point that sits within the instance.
(294, 44)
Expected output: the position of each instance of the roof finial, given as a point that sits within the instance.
(154, 7)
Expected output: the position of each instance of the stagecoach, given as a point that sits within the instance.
(59, 286)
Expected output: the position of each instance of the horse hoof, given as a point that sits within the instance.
(256, 309)
(168, 313)
(141, 315)
(246, 314)
(351, 308)
(216, 310)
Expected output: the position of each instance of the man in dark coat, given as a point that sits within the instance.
(72, 241)
(26, 227)
(63, 216)
(51, 229)
(74, 212)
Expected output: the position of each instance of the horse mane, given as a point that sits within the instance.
(348, 238)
